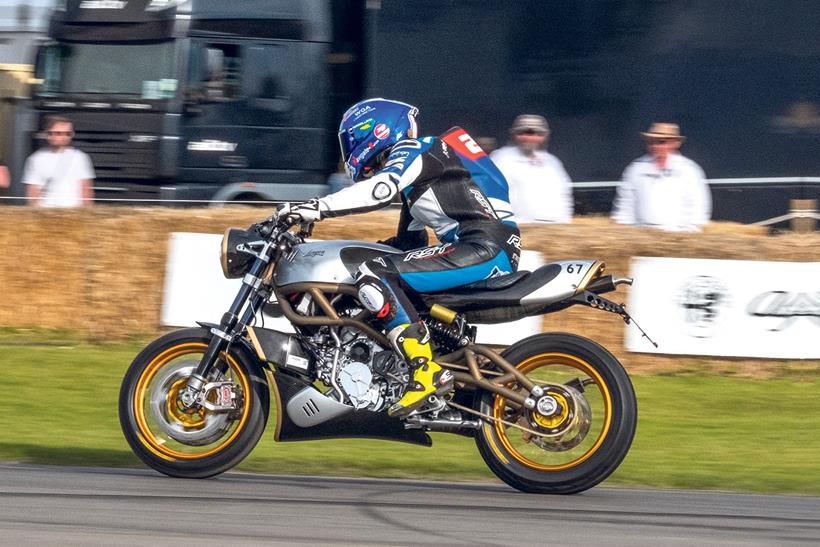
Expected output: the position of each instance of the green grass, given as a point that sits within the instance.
(695, 430)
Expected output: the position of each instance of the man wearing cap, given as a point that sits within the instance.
(663, 188)
(540, 189)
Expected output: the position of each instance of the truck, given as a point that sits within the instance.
(206, 100)
(22, 25)
(203, 100)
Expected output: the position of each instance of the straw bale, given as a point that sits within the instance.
(101, 270)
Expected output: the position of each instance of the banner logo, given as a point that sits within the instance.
(703, 300)
(787, 306)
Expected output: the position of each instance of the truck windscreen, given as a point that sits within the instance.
(144, 70)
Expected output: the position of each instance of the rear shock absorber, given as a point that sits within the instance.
(448, 329)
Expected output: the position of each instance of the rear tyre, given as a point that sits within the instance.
(590, 430)
(195, 442)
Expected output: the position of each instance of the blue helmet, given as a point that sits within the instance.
(370, 127)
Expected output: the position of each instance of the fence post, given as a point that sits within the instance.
(804, 215)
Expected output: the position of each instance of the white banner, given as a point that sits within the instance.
(733, 308)
(195, 290)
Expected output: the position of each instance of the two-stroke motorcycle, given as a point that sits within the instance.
(552, 413)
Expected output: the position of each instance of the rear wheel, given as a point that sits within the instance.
(190, 442)
(586, 422)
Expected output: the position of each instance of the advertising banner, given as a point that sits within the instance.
(195, 290)
(735, 308)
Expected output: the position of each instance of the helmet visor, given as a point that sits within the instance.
(345, 144)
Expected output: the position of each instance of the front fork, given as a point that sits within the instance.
(250, 299)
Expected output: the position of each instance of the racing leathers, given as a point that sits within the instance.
(450, 185)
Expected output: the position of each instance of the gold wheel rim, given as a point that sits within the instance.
(555, 359)
(148, 438)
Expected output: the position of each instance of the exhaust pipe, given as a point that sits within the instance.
(607, 283)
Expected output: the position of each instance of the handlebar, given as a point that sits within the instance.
(271, 227)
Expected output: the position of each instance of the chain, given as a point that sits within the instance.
(487, 417)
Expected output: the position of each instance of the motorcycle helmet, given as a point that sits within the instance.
(372, 127)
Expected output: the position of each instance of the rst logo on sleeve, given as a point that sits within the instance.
(463, 143)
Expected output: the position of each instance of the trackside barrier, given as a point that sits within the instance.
(101, 270)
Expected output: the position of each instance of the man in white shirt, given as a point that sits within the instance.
(59, 175)
(540, 189)
(663, 189)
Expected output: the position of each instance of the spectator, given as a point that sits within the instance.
(488, 144)
(663, 189)
(540, 189)
(59, 175)
(4, 176)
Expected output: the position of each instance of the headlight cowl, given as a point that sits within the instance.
(235, 264)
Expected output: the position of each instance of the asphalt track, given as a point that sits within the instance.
(76, 506)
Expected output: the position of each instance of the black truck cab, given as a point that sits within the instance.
(204, 99)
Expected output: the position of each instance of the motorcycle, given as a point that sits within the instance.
(553, 413)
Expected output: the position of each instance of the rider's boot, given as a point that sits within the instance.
(412, 341)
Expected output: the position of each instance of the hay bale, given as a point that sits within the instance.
(101, 270)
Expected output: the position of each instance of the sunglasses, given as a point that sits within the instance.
(60, 133)
(530, 132)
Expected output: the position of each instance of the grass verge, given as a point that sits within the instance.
(695, 430)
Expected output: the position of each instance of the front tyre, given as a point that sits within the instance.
(190, 442)
(592, 416)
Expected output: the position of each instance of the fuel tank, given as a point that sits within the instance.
(327, 261)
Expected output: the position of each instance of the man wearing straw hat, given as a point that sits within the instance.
(663, 189)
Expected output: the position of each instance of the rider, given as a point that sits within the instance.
(446, 183)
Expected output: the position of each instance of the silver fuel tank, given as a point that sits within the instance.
(327, 261)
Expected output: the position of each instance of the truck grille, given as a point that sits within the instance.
(120, 155)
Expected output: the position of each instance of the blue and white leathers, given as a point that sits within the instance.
(450, 185)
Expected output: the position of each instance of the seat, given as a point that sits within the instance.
(471, 298)
(496, 283)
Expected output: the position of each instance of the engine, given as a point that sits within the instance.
(358, 371)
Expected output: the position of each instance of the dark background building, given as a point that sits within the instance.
(741, 77)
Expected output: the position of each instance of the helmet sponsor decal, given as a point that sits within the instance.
(357, 112)
(362, 155)
(361, 130)
(381, 131)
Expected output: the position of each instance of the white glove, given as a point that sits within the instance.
(301, 212)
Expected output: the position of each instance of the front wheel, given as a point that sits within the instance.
(586, 424)
(191, 442)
